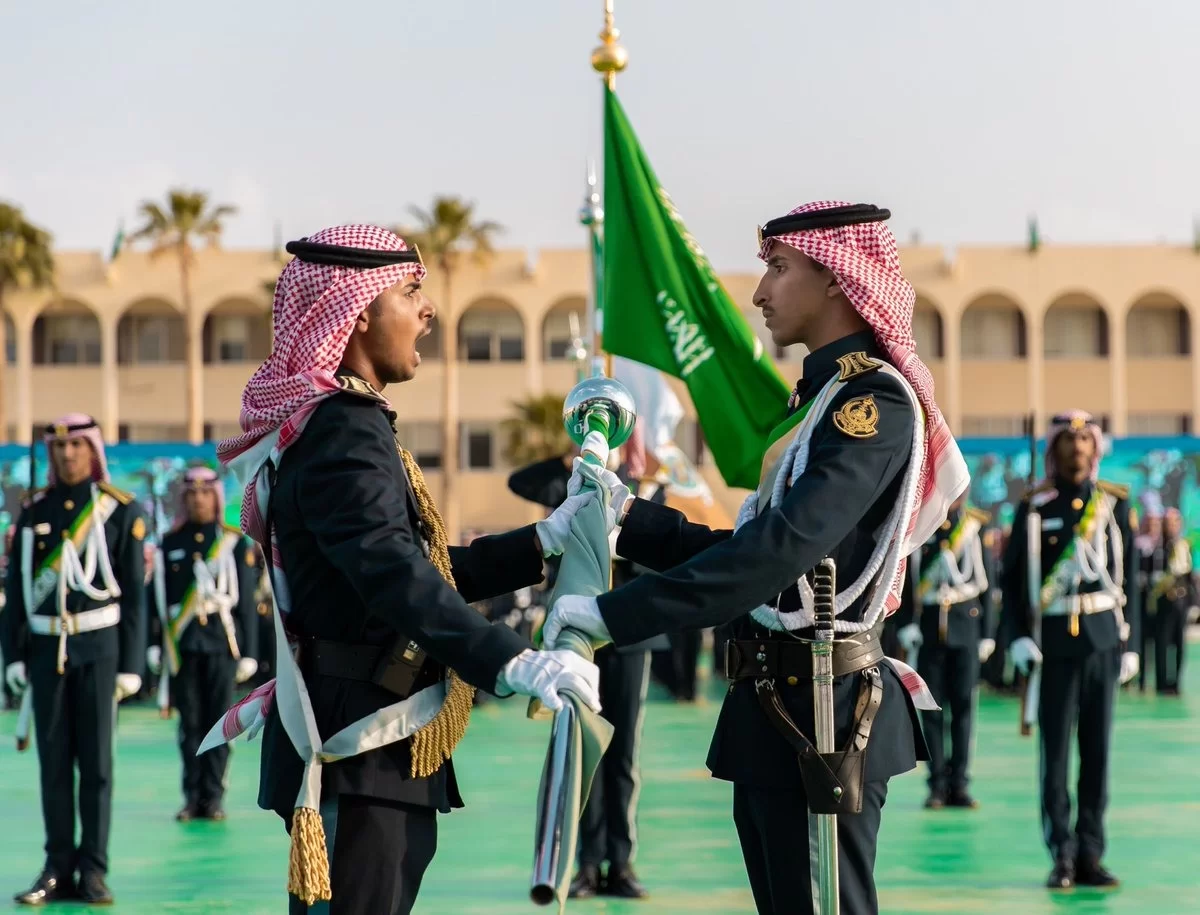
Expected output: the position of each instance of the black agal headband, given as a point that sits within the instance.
(831, 218)
(341, 256)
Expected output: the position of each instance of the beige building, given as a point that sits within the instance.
(1005, 331)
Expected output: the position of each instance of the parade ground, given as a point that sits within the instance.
(955, 861)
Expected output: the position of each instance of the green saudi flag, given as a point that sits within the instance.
(665, 307)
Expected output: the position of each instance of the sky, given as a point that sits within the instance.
(963, 118)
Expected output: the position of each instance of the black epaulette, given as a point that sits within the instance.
(979, 515)
(352, 384)
(119, 494)
(852, 365)
(1040, 487)
(1116, 490)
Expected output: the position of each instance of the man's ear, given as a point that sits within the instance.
(363, 321)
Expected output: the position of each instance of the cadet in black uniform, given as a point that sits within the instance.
(79, 522)
(1089, 622)
(945, 621)
(375, 599)
(210, 631)
(833, 282)
(608, 824)
(1173, 592)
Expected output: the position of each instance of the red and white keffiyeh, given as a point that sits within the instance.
(76, 425)
(313, 317)
(866, 261)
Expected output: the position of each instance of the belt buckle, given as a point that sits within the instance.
(70, 625)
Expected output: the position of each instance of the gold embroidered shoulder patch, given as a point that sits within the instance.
(139, 528)
(858, 418)
(354, 385)
(854, 364)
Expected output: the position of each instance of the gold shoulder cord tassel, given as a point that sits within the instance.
(308, 859)
(432, 745)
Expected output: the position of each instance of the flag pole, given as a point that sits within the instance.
(609, 59)
(591, 217)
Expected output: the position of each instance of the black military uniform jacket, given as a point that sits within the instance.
(706, 577)
(1060, 514)
(967, 621)
(49, 514)
(180, 549)
(350, 535)
(1158, 584)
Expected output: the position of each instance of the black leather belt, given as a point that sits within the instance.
(394, 669)
(791, 660)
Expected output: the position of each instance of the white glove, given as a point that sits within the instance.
(1024, 653)
(574, 611)
(986, 647)
(1130, 664)
(544, 674)
(910, 637)
(246, 668)
(127, 685)
(154, 659)
(14, 676)
(554, 531)
(618, 492)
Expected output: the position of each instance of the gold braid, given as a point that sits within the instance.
(432, 745)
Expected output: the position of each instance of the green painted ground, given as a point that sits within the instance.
(988, 860)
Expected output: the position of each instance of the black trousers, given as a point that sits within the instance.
(675, 668)
(1170, 637)
(202, 691)
(1083, 690)
(773, 829)
(380, 851)
(952, 674)
(608, 825)
(73, 717)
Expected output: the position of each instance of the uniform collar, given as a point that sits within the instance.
(822, 364)
(78, 493)
(1066, 487)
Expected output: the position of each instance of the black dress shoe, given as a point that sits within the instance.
(47, 888)
(586, 883)
(1063, 875)
(623, 882)
(936, 800)
(212, 811)
(93, 890)
(1089, 872)
(188, 813)
(960, 798)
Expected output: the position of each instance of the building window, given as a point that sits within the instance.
(231, 334)
(927, 332)
(1154, 424)
(491, 335)
(562, 325)
(993, 333)
(478, 447)
(66, 340)
(1152, 332)
(423, 441)
(10, 342)
(150, 339)
(1075, 333)
(993, 426)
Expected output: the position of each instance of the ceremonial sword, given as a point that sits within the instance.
(25, 715)
(822, 827)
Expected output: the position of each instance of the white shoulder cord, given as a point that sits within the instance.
(77, 574)
(889, 550)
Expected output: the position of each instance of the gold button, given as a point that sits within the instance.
(197, 556)
(68, 505)
(945, 525)
(792, 681)
(41, 544)
(974, 611)
(1077, 504)
(199, 537)
(1053, 539)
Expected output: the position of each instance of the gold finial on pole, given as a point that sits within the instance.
(610, 58)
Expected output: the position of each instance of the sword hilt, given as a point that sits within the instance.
(824, 584)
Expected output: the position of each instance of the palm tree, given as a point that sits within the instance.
(537, 431)
(187, 218)
(445, 234)
(26, 260)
